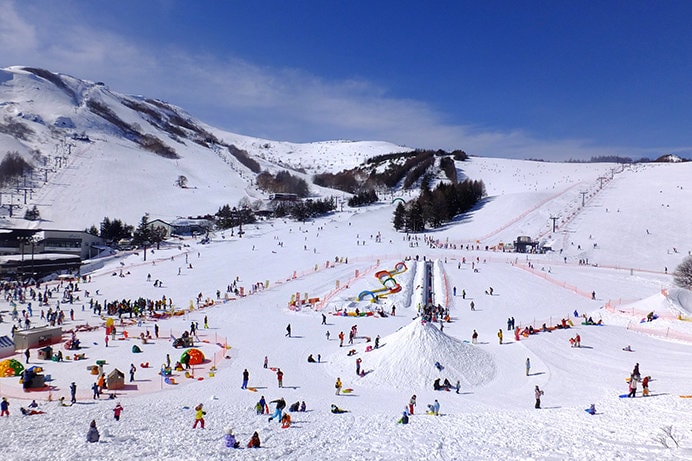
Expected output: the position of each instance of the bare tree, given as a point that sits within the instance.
(683, 274)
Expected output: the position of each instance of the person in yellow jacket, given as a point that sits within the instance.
(199, 416)
(338, 386)
(499, 335)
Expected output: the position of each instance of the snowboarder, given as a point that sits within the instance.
(473, 306)
(324, 319)
(73, 392)
(338, 385)
(358, 362)
(341, 339)
(266, 361)
(538, 393)
(117, 410)
(288, 330)
(199, 416)
(411, 404)
(592, 409)
(377, 342)
(93, 434)
(635, 371)
(499, 335)
(474, 337)
(246, 377)
(403, 419)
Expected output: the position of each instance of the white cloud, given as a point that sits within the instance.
(237, 95)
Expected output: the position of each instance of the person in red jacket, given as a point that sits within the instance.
(254, 441)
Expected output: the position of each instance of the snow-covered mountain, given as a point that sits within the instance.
(94, 145)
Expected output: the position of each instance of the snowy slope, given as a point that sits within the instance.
(492, 417)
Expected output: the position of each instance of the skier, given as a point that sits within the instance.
(538, 394)
(117, 410)
(246, 377)
(199, 415)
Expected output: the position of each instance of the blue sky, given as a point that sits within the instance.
(535, 79)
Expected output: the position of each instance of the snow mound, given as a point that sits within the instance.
(408, 356)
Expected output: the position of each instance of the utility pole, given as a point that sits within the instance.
(583, 195)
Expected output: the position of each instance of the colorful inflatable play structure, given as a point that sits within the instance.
(10, 367)
(196, 356)
(389, 284)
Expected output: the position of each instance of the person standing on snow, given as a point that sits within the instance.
(499, 335)
(133, 368)
(411, 404)
(199, 416)
(338, 386)
(538, 393)
(528, 366)
(288, 330)
(246, 378)
(474, 337)
(280, 377)
(117, 410)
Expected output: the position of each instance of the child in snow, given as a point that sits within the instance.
(645, 385)
(117, 410)
(4, 407)
(93, 434)
(592, 409)
(199, 416)
(337, 410)
(403, 419)
(285, 421)
(230, 440)
(633, 386)
(538, 393)
(434, 408)
(302, 406)
(254, 441)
